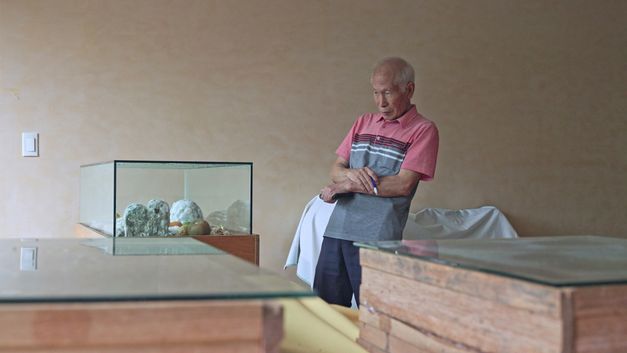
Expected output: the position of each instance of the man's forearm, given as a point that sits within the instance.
(364, 180)
(330, 192)
(401, 184)
(397, 185)
(338, 173)
(365, 177)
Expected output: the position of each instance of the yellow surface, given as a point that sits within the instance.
(311, 325)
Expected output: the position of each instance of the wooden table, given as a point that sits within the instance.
(162, 295)
(545, 295)
(219, 326)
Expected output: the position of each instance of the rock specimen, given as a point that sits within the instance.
(238, 217)
(200, 227)
(185, 211)
(219, 230)
(119, 227)
(158, 218)
(217, 219)
(135, 220)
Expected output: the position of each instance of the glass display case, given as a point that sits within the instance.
(166, 294)
(543, 294)
(126, 198)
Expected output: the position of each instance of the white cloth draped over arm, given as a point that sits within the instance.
(307, 241)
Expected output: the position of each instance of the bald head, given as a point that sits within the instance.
(399, 70)
(392, 87)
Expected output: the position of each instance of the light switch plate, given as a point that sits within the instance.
(28, 259)
(30, 144)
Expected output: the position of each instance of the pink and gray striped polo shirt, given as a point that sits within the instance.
(409, 142)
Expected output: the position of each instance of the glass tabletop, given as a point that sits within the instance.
(556, 261)
(71, 270)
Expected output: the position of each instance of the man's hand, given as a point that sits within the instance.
(364, 177)
(331, 191)
(327, 194)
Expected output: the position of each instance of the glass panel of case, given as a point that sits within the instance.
(78, 270)
(556, 260)
(96, 196)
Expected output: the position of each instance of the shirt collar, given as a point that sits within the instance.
(403, 119)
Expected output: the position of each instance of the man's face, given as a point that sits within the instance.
(390, 99)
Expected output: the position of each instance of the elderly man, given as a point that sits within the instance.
(375, 176)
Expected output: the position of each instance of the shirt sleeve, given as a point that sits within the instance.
(344, 150)
(422, 154)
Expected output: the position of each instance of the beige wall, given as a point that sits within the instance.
(530, 98)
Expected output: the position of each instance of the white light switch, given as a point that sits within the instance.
(28, 259)
(30, 144)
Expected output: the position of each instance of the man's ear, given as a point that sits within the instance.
(410, 89)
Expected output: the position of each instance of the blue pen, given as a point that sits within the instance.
(374, 185)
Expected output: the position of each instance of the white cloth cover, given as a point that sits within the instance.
(430, 223)
(485, 222)
(307, 241)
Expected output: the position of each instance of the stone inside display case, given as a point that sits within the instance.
(124, 198)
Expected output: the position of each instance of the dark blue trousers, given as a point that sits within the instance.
(338, 273)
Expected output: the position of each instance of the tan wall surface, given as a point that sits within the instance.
(530, 98)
